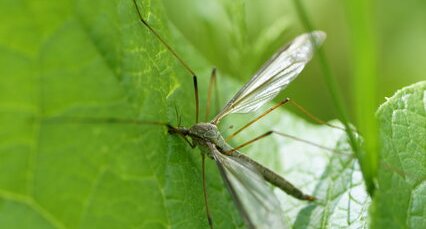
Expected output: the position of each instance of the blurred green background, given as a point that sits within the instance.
(391, 33)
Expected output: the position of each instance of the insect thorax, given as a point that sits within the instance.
(202, 132)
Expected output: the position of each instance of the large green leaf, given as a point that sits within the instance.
(401, 198)
(94, 59)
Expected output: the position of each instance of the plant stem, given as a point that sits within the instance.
(336, 96)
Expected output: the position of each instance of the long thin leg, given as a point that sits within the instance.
(281, 134)
(212, 84)
(311, 116)
(257, 118)
(286, 100)
(91, 120)
(270, 175)
(172, 51)
(203, 169)
(197, 102)
(157, 35)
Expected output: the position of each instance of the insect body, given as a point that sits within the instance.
(244, 177)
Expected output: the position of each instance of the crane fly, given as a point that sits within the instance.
(244, 178)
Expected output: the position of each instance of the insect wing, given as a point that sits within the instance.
(274, 76)
(256, 202)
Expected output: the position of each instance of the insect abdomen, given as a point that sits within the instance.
(274, 178)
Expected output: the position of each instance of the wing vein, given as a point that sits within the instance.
(273, 76)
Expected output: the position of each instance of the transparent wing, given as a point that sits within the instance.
(274, 76)
(256, 202)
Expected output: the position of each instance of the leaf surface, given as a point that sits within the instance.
(401, 198)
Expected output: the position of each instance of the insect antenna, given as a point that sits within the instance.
(172, 51)
(178, 116)
(180, 120)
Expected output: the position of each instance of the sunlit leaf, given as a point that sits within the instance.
(401, 198)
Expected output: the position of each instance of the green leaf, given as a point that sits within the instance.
(401, 198)
(77, 59)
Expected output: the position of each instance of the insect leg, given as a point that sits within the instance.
(94, 120)
(249, 142)
(203, 169)
(174, 53)
(258, 118)
(311, 116)
(91, 120)
(212, 86)
(197, 100)
(280, 134)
